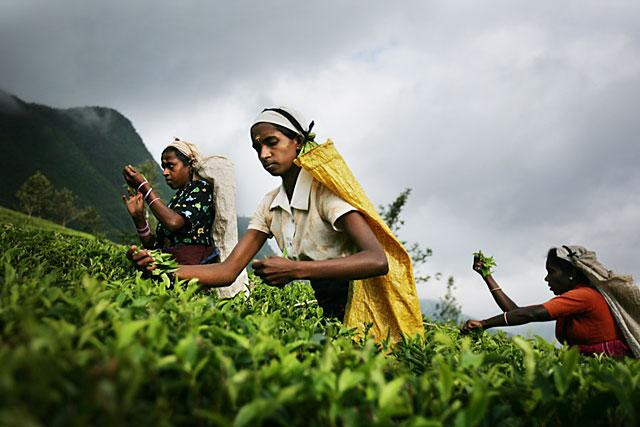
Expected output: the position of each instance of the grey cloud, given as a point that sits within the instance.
(145, 52)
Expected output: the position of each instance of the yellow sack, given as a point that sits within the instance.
(389, 302)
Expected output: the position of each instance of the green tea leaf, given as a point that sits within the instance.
(488, 263)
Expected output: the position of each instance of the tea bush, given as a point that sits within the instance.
(86, 340)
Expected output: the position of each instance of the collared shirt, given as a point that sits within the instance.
(306, 227)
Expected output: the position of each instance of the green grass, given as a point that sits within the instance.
(85, 340)
(9, 216)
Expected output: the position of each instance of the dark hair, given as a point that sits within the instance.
(566, 267)
(305, 133)
(184, 159)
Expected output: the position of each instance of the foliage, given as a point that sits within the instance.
(82, 149)
(8, 216)
(40, 198)
(36, 195)
(63, 206)
(165, 266)
(85, 340)
(487, 263)
(391, 213)
(88, 219)
(309, 144)
(391, 216)
(447, 308)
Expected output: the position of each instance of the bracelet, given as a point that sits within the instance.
(143, 229)
(148, 192)
(151, 202)
(505, 318)
(495, 289)
(141, 184)
(145, 234)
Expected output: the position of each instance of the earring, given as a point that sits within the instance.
(570, 277)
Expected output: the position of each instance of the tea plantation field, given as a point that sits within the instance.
(84, 340)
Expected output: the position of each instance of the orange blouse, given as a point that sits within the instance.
(582, 317)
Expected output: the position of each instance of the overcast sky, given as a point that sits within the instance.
(515, 123)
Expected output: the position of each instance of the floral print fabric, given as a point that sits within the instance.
(194, 202)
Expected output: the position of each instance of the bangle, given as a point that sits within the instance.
(146, 226)
(151, 202)
(141, 184)
(505, 319)
(497, 288)
(145, 233)
(148, 192)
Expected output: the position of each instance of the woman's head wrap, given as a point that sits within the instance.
(188, 149)
(192, 152)
(287, 118)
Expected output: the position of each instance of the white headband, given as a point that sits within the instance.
(274, 117)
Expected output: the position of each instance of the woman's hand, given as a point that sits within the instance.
(135, 205)
(141, 258)
(470, 325)
(132, 177)
(275, 271)
(478, 265)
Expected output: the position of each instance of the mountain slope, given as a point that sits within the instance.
(83, 149)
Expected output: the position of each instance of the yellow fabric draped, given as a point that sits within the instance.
(390, 303)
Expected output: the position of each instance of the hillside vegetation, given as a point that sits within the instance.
(85, 340)
(83, 149)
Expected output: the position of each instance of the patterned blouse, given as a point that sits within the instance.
(194, 202)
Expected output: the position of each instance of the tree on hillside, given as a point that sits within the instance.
(89, 220)
(67, 211)
(447, 308)
(36, 195)
(39, 197)
(65, 207)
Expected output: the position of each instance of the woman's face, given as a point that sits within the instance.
(558, 280)
(275, 150)
(175, 173)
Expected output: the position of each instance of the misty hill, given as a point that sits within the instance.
(83, 149)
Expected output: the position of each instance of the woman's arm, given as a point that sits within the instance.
(518, 316)
(504, 302)
(172, 220)
(215, 275)
(135, 207)
(369, 261)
